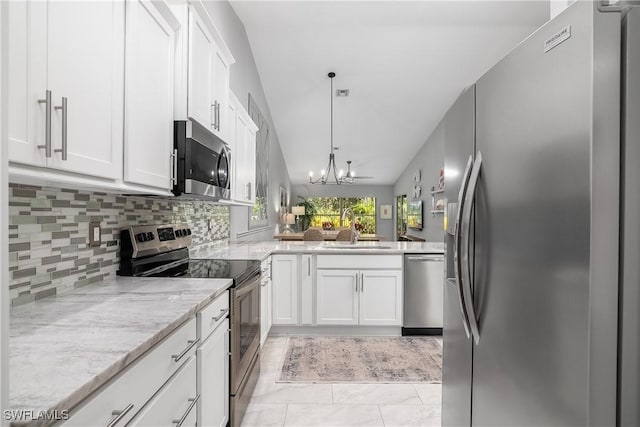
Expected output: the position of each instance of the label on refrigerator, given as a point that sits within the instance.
(557, 38)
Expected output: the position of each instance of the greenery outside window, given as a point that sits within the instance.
(329, 213)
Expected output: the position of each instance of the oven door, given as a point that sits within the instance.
(245, 328)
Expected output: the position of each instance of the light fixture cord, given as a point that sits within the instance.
(331, 94)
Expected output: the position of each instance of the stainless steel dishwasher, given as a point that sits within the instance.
(423, 294)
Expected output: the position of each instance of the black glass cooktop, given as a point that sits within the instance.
(238, 270)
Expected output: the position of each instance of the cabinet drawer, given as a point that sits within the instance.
(360, 261)
(176, 400)
(130, 390)
(212, 315)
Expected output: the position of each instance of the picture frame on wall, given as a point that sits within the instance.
(385, 212)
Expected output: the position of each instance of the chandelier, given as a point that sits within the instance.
(331, 175)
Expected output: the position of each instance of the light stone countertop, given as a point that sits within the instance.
(261, 250)
(63, 348)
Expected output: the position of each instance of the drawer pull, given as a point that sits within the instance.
(193, 401)
(119, 415)
(222, 314)
(177, 357)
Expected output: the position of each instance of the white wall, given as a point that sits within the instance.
(557, 6)
(382, 193)
(245, 80)
(429, 159)
(4, 219)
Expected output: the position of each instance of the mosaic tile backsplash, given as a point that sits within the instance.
(49, 235)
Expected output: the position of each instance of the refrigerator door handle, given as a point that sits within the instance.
(465, 231)
(457, 245)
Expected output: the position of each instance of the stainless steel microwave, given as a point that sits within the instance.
(203, 165)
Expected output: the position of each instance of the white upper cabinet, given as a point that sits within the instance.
(201, 50)
(149, 90)
(243, 153)
(202, 76)
(75, 50)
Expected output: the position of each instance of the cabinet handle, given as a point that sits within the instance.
(177, 357)
(361, 282)
(222, 314)
(248, 191)
(218, 115)
(309, 266)
(119, 413)
(174, 166)
(63, 107)
(357, 280)
(193, 401)
(213, 120)
(47, 123)
(270, 270)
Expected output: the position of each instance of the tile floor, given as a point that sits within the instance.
(333, 405)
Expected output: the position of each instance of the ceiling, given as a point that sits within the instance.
(404, 63)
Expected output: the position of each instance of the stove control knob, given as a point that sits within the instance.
(141, 237)
(150, 236)
(188, 232)
(179, 233)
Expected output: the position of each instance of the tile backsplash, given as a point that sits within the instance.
(49, 235)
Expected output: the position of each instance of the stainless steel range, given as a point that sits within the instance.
(162, 251)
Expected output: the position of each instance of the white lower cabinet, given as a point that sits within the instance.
(337, 297)
(176, 382)
(213, 378)
(128, 393)
(174, 402)
(381, 297)
(284, 270)
(370, 294)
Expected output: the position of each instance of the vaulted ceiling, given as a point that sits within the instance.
(404, 63)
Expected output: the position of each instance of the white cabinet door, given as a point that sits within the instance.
(250, 161)
(173, 401)
(85, 66)
(306, 289)
(213, 378)
(284, 270)
(199, 88)
(381, 297)
(220, 93)
(336, 297)
(27, 74)
(149, 89)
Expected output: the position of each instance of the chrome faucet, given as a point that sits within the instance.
(354, 234)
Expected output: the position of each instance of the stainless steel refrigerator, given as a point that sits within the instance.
(542, 294)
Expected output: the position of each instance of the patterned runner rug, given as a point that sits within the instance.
(362, 360)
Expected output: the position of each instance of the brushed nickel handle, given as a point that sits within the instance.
(177, 357)
(174, 167)
(222, 314)
(47, 123)
(64, 109)
(457, 246)
(361, 282)
(309, 266)
(119, 413)
(193, 401)
(217, 115)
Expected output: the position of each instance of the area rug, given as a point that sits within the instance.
(362, 360)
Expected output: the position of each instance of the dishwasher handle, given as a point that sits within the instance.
(425, 258)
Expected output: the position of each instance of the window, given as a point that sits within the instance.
(329, 213)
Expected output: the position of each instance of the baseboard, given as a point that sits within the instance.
(421, 331)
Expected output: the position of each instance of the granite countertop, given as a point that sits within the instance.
(261, 250)
(64, 347)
